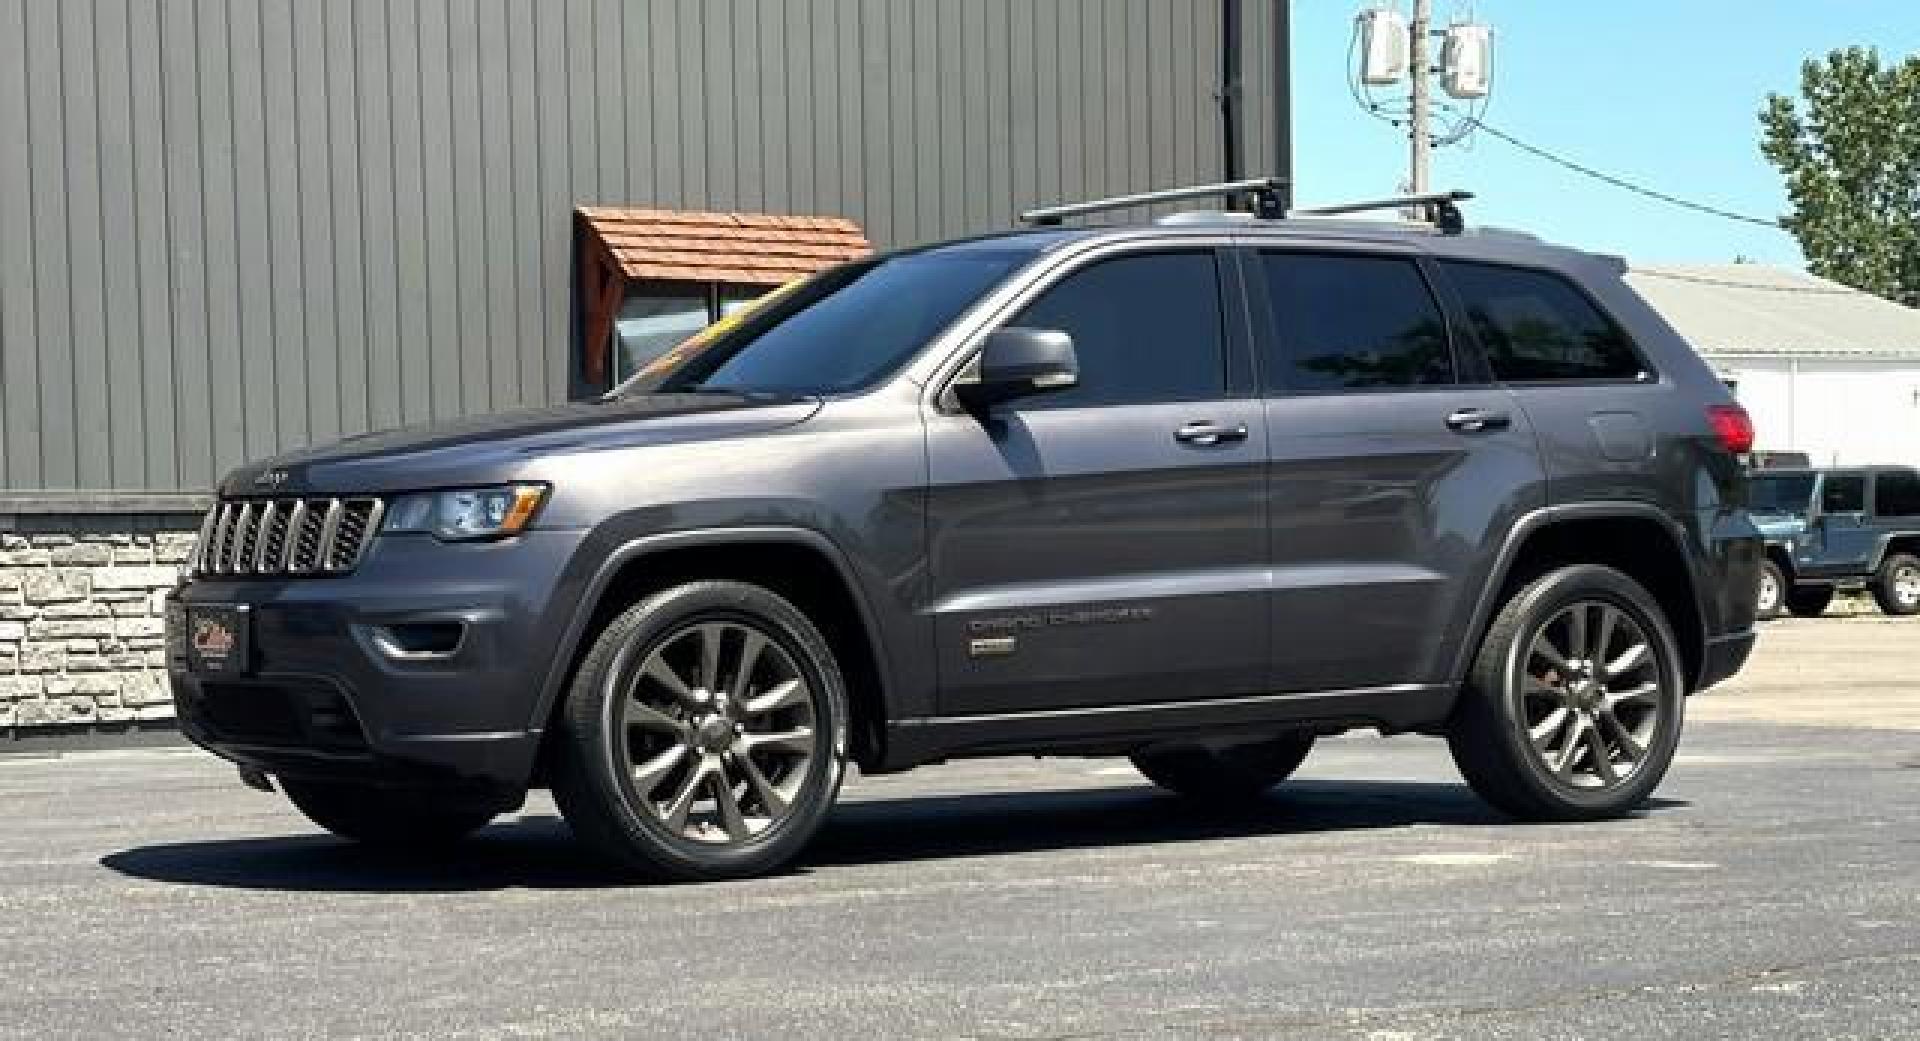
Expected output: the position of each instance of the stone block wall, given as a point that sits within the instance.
(81, 607)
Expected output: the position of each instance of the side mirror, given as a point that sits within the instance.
(1015, 361)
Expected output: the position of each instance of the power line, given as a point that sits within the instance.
(1618, 182)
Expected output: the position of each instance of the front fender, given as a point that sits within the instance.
(599, 576)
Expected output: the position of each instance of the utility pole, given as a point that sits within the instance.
(1393, 49)
(1421, 134)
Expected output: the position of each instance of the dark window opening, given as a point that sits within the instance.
(1844, 493)
(1896, 493)
(1145, 328)
(1537, 327)
(1347, 323)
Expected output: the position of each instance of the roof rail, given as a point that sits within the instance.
(1269, 194)
(1441, 208)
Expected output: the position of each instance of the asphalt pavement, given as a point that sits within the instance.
(1770, 891)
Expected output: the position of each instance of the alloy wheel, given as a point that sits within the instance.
(1590, 693)
(715, 732)
(1906, 585)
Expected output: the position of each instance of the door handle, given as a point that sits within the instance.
(1478, 420)
(1206, 433)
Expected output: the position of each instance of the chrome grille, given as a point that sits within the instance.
(286, 536)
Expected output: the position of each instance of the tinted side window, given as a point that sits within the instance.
(1348, 322)
(1145, 328)
(1896, 493)
(1844, 493)
(1537, 326)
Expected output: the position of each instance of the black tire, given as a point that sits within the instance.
(1896, 585)
(1770, 599)
(386, 817)
(1809, 601)
(1489, 733)
(609, 797)
(1240, 771)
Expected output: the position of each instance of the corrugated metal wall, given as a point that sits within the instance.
(229, 227)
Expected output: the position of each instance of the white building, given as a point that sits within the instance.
(1823, 369)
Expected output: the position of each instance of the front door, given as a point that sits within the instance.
(1843, 543)
(1105, 544)
(1395, 470)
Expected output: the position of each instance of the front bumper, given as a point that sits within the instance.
(327, 694)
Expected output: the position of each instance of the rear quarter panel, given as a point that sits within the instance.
(1643, 442)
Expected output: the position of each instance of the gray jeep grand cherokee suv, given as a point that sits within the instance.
(1197, 493)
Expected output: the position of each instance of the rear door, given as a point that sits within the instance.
(1594, 400)
(1105, 544)
(1394, 468)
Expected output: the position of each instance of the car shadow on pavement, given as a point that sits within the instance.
(538, 852)
(970, 825)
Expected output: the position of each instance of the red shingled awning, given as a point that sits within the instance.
(619, 245)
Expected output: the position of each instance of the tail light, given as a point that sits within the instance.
(1733, 426)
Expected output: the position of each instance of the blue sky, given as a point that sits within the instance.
(1662, 94)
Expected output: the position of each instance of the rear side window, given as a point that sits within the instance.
(1844, 493)
(1349, 322)
(1896, 493)
(1145, 328)
(1537, 327)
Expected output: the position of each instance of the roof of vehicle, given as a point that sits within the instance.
(1486, 242)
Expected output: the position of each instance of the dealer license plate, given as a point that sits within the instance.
(216, 638)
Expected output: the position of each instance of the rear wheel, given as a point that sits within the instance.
(1809, 601)
(1573, 708)
(704, 736)
(393, 818)
(1771, 599)
(1897, 584)
(1233, 772)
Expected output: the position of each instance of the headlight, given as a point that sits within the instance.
(466, 513)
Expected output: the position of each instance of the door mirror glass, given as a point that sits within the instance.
(1017, 360)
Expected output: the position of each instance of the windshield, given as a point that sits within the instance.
(845, 329)
(1781, 493)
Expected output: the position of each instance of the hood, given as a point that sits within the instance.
(504, 446)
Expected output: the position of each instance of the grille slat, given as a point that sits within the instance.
(286, 536)
(306, 548)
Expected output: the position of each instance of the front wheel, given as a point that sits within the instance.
(1573, 707)
(704, 736)
(1896, 586)
(392, 818)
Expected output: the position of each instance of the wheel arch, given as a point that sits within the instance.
(800, 564)
(1783, 559)
(1894, 542)
(1615, 534)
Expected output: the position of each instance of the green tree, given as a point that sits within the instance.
(1851, 161)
